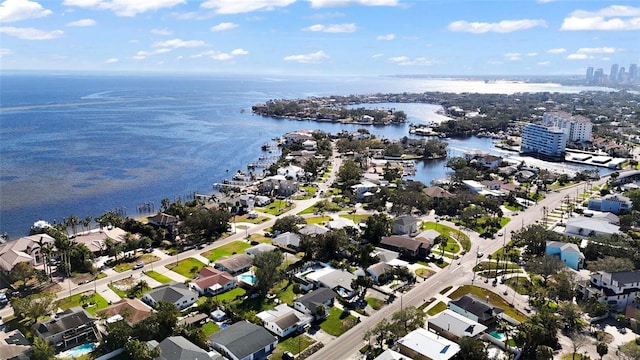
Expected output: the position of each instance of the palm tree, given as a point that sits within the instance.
(63, 245)
(73, 221)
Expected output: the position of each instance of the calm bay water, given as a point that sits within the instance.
(83, 145)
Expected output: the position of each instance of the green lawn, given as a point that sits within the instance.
(210, 328)
(284, 292)
(356, 218)
(231, 294)
(73, 301)
(235, 247)
(145, 258)
(158, 277)
(451, 246)
(296, 344)
(275, 208)
(494, 299)
(188, 267)
(450, 232)
(121, 293)
(338, 322)
(375, 303)
(437, 308)
(318, 219)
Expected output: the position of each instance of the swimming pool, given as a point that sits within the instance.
(77, 351)
(498, 335)
(248, 279)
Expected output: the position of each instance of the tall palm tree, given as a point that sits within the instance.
(73, 221)
(63, 246)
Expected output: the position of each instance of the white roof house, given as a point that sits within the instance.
(283, 320)
(425, 344)
(452, 325)
(585, 226)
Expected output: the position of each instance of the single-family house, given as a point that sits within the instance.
(284, 320)
(489, 161)
(24, 249)
(179, 348)
(407, 246)
(617, 289)
(234, 264)
(475, 309)
(453, 326)
(95, 240)
(614, 203)
(437, 192)
(524, 175)
(163, 220)
(569, 253)
(310, 145)
(390, 355)
(14, 345)
(310, 302)
(585, 226)
(177, 294)
(278, 185)
(244, 341)
(247, 202)
(258, 249)
(338, 280)
(73, 327)
(474, 186)
(212, 281)
(340, 223)
(313, 230)
(364, 189)
(291, 172)
(297, 137)
(287, 241)
(130, 310)
(421, 344)
(405, 225)
(380, 272)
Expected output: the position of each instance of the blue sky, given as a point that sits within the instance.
(435, 37)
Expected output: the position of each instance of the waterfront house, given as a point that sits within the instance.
(179, 348)
(24, 249)
(278, 185)
(586, 226)
(291, 172)
(569, 253)
(212, 281)
(284, 320)
(287, 241)
(297, 137)
(421, 344)
(234, 264)
(436, 192)
(130, 310)
(95, 240)
(405, 225)
(617, 289)
(177, 294)
(310, 302)
(244, 341)
(475, 309)
(73, 327)
(453, 326)
(163, 220)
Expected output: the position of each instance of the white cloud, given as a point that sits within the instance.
(505, 26)
(128, 8)
(239, 52)
(332, 28)
(387, 37)
(375, 56)
(221, 56)
(31, 33)
(223, 26)
(614, 17)
(513, 56)
(82, 23)
(544, 63)
(532, 54)
(557, 51)
(5, 52)
(179, 43)
(163, 32)
(161, 51)
(579, 57)
(600, 50)
(334, 3)
(16, 10)
(141, 55)
(111, 61)
(311, 58)
(407, 61)
(244, 6)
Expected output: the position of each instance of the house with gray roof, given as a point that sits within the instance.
(177, 294)
(569, 253)
(309, 302)
(244, 341)
(617, 289)
(338, 280)
(379, 272)
(73, 327)
(585, 226)
(313, 229)
(284, 320)
(234, 264)
(405, 225)
(453, 326)
(14, 345)
(258, 249)
(287, 241)
(179, 348)
(407, 246)
(475, 309)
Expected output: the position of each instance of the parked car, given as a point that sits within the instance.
(3, 299)
(137, 266)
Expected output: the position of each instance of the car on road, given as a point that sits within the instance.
(3, 299)
(137, 266)
(500, 233)
(480, 254)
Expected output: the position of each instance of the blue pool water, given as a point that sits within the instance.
(498, 335)
(248, 279)
(79, 350)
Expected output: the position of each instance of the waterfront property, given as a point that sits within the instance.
(71, 328)
(24, 249)
(543, 141)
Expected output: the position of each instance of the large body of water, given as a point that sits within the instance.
(83, 145)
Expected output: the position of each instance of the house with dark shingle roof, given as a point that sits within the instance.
(379, 272)
(287, 241)
(617, 289)
(407, 246)
(177, 294)
(405, 224)
(179, 348)
(234, 264)
(475, 309)
(309, 303)
(244, 341)
(73, 327)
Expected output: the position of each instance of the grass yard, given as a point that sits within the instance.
(231, 294)
(424, 273)
(235, 247)
(461, 237)
(144, 258)
(210, 327)
(277, 207)
(295, 344)
(375, 303)
(451, 246)
(338, 322)
(284, 291)
(158, 277)
(437, 308)
(188, 267)
(76, 300)
(494, 299)
(356, 218)
(318, 219)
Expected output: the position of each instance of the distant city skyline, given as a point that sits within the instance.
(618, 74)
(360, 37)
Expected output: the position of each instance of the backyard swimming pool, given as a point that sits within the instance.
(498, 335)
(248, 279)
(77, 351)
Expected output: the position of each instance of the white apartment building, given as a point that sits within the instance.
(544, 141)
(577, 128)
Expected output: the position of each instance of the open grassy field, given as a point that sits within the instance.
(188, 267)
(235, 247)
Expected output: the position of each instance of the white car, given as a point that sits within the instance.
(500, 233)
